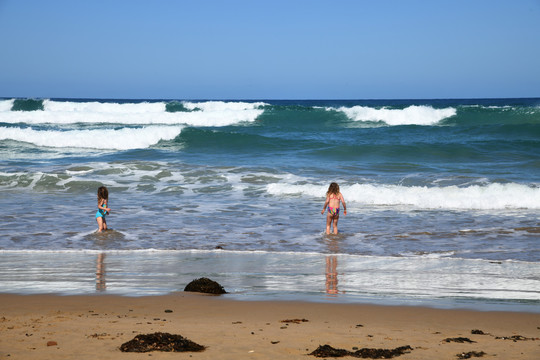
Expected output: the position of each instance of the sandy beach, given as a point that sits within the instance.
(91, 327)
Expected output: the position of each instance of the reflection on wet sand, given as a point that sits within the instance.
(331, 275)
(101, 284)
(331, 267)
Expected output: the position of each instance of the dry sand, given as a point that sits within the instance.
(94, 327)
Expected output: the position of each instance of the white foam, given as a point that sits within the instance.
(488, 197)
(16, 178)
(222, 106)
(412, 115)
(121, 139)
(104, 108)
(6, 105)
(212, 113)
(290, 189)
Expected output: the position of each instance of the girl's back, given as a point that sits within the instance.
(334, 199)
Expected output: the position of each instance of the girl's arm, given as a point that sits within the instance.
(325, 204)
(344, 205)
(100, 206)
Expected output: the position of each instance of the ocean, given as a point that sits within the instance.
(443, 199)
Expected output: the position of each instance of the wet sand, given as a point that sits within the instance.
(92, 327)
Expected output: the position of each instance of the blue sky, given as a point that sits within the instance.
(270, 49)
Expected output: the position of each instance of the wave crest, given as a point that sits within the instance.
(474, 197)
(120, 139)
(211, 113)
(412, 115)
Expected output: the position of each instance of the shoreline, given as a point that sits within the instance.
(91, 326)
(259, 276)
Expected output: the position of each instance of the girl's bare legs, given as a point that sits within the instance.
(335, 220)
(102, 224)
(329, 220)
(328, 223)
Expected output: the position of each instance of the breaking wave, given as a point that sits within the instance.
(412, 115)
(483, 197)
(212, 113)
(116, 139)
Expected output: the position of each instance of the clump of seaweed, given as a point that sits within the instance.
(160, 342)
(515, 338)
(294, 321)
(470, 354)
(329, 351)
(459, 340)
(478, 332)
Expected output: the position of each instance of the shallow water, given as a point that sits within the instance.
(451, 181)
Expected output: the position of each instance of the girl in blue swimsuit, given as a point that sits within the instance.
(103, 210)
(333, 198)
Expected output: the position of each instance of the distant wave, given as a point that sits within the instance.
(212, 113)
(484, 197)
(120, 139)
(225, 113)
(412, 115)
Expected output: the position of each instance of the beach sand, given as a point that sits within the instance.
(94, 327)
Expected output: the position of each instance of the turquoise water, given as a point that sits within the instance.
(445, 180)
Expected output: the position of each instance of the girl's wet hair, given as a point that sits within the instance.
(333, 189)
(102, 193)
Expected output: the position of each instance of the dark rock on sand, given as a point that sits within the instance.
(329, 351)
(160, 342)
(205, 285)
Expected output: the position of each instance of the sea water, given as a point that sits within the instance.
(443, 198)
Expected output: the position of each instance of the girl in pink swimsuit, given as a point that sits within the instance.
(333, 197)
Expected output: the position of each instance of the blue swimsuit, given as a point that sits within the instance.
(100, 212)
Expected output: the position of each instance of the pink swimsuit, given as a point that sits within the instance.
(334, 211)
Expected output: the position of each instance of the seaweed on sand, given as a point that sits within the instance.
(160, 342)
(459, 340)
(329, 351)
(470, 354)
